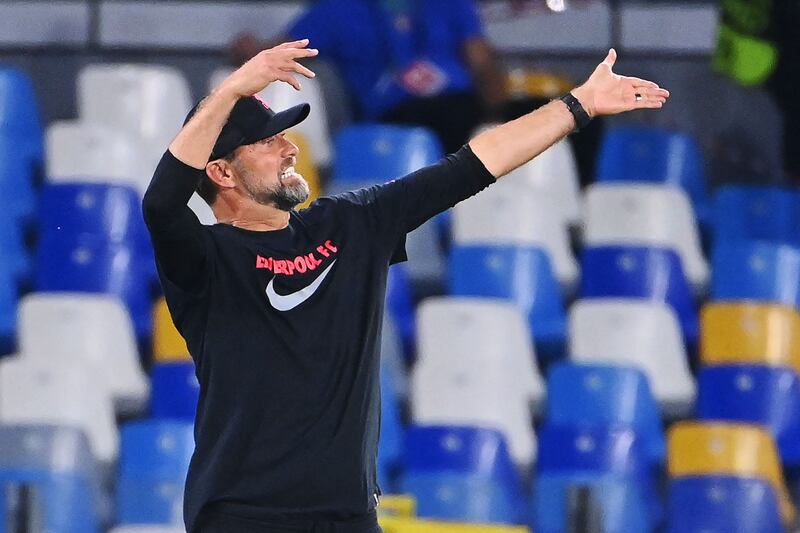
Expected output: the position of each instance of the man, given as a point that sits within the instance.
(406, 61)
(281, 309)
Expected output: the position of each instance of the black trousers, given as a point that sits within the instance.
(224, 523)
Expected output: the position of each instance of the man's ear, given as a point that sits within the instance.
(220, 172)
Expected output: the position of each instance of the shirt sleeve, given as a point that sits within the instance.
(400, 206)
(178, 237)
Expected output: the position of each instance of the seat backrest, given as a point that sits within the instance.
(112, 212)
(80, 151)
(155, 449)
(507, 215)
(553, 173)
(35, 391)
(750, 332)
(641, 333)
(17, 175)
(722, 503)
(378, 153)
(645, 215)
(19, 112)
(86, 331)
(168, 344)
(175, 391)
(599, 395)
(764, 395)
(724, 448)
(521, 274)
(648, 154)
(639, 272)
(756, 212)
(756, 270)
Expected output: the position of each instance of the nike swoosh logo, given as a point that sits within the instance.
(284, 302)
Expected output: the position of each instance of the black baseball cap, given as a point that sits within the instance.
(252, 120)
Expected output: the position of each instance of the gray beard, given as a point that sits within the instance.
(284, 197)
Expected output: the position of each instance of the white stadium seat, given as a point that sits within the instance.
(280, 96)
(646, 215)
(507, 213)
(476, 365)
(83, 151)
(34, 391)
(642, 333)
(92, 332)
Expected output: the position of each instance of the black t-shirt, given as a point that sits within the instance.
(284, 328)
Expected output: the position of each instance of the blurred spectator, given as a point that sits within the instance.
(756, 46)
(405, 61)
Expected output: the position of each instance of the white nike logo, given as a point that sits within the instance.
(285, 302)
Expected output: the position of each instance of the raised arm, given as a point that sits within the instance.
(510, 145)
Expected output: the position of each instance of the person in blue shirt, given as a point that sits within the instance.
(406, 61)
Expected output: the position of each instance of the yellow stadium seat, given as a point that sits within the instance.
(754, 333)
(305, 166)
(410, 525)
(398, 505)
(168, 344)
(523, 83)
(721, 448)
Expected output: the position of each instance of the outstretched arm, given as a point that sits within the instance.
(510, 145)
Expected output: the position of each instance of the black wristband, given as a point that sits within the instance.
(582, 118)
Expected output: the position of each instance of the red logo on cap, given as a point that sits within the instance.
(261, 100)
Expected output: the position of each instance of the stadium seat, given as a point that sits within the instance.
(750, 333)
(609, 462)
(94, 334)
(79, 151)
(392, 440)
(154, 459)
(643, 334)
(553, 174)
(17, 176)
(756, 213)
(175, 391)
(168, 344)
(640, 272)
(476, 366)
(20, 115)
(8, 313)
(400, 305)
(280, 96)
(761, 271)
(34, 391)
(758, 395)
(619, 214)
(722, 504)
(375, 153)
(462, 473)
(88, 264)
(580, 395)
(147, 529)
(391, 524)
(521, 274)
(729, 449)
(15, 261)
(505, 214)
(648, 154)
(57, 463)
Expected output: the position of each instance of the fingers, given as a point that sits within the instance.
(302, 43)
(300, 69)
(611, 58)
(288, 78)
(638, 82)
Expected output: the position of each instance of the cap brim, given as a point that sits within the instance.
(281, 121)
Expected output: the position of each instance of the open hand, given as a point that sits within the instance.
(606, 93)
(274, 64)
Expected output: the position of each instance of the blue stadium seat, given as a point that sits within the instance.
(14, 257)
(55, 465)
(87, 264)
(400, 306)
(580, 395)
(375, 153)
(462, 473)
(519, 273)
(154, 459)
(392, 442)
(19, 115)
(596, 457)
(769, 396)
(722, 504)
(17, 196)
(655, 155)
(755, 270)
(640, 272)
(756, 213)
(8, 313)
(175, 391)
(110, 211)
